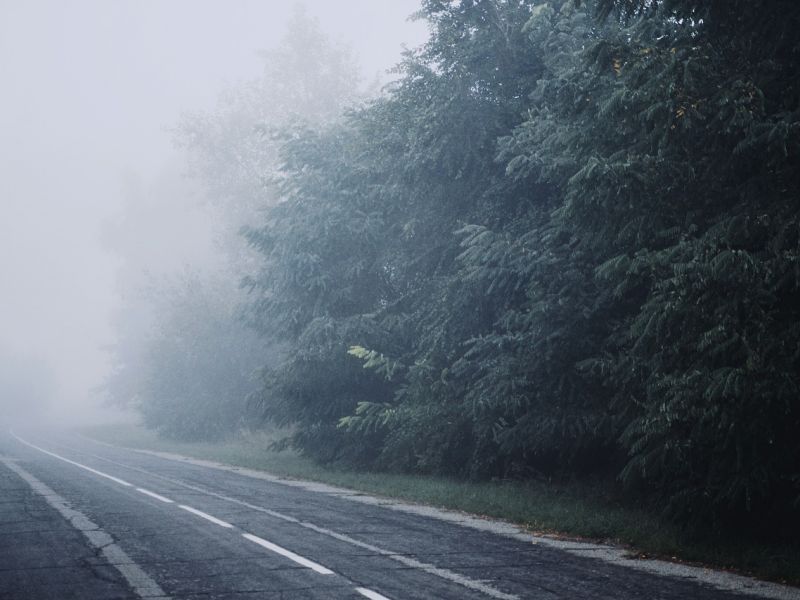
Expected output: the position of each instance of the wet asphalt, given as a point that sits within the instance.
(351, 549)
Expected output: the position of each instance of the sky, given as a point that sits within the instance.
(90, 89)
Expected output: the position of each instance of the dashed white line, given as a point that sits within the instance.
(206, 516)
(309, 564)
(154, 495)
(370, 594)
(141, 582)
(407, 561)
(72, 462)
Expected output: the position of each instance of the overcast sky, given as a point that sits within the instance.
(89, 89)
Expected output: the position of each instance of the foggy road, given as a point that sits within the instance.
(86, 520)
(535, 259)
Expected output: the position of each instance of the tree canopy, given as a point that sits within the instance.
(563, 242)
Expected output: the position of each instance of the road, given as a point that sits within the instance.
(84, 520)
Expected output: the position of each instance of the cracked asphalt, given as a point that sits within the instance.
(362, 549)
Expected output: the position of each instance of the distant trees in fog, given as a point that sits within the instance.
(186, 357)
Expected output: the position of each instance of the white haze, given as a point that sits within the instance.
(89, 91)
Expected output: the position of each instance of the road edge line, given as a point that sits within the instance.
(141, 583)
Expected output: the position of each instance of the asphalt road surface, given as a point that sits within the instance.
(84, 520)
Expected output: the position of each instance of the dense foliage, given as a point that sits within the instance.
(562, 243)
(565, 240)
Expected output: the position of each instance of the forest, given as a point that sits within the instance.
(562, 242)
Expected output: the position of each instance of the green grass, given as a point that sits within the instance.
(576, 510)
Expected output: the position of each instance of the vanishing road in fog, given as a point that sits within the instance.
(79, 519)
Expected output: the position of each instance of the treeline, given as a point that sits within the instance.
(564, 242)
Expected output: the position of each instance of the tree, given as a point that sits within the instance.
(677, 164)
(561, 243)
(364, 246)
(186, 353)
(232, 151)
(198, 363)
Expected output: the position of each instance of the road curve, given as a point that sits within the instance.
(84, 520)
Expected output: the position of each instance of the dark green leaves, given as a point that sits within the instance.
(559, 245)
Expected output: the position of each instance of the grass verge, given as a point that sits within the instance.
(577, 510)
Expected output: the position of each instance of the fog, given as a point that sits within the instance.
(552, 243)
(94, 193)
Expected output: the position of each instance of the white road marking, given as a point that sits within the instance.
(93, 530)
(154, 495)
(446, 574)
(746, 586)
(72, 462)
(451, 576)
(143, 585)
(370, 594)
(309, 564)
(206, 516)
(442, 573)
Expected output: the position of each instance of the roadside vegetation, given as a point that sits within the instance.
(563, 245)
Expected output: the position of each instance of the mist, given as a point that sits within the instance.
(99, 202)
(539, 259)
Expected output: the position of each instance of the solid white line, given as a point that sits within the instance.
(370, 594)
(72, 462)
(309, 564)
(154, 495)
(206, 516)
(143, 585)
